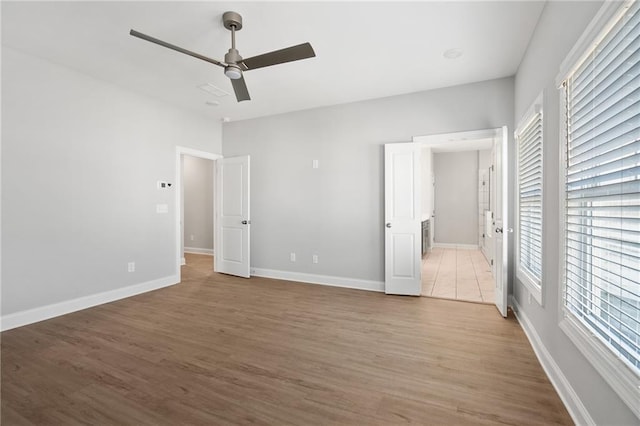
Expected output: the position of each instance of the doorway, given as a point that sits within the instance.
(197, 202)
(455, 267)
(464, 204)
(201, 231)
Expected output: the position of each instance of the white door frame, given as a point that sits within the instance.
(180, 151)
(465, 141)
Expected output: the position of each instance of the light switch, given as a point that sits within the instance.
(315, 164)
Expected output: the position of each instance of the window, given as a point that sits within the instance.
(529, 214)
(601, 277)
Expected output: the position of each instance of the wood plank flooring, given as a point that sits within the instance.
(216, 349)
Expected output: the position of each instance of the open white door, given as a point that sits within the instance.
(402, 219)
(233, 219)
(500, 224)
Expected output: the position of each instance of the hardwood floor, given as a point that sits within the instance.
(221, 350)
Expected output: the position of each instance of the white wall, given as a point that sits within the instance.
(456, 197)
(336, 211)
(560, 25)
(80, 163)
(198, 204)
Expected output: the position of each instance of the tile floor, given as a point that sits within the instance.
(460, 274)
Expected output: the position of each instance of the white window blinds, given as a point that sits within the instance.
(602, 204)
(529, 237)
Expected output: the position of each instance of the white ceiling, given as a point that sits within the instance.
(364, 50)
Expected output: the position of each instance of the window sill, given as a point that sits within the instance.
(534, 288)
(621, 379)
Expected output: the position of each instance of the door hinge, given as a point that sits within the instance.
(491, 262)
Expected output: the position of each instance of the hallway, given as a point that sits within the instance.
(459, 274)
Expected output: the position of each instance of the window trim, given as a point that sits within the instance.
(597, 29)
(613, 370)
(530, 282)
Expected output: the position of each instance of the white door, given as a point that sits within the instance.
(402, 219)
(233, 218)
(500, 225)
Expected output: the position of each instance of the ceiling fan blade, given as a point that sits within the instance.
(176, 48)
(288, 54)
(240, 88)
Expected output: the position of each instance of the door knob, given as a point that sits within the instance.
(388, 225)
(246, 222)
(498, 230)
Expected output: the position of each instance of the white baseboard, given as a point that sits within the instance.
(569, 397)
(319, 279)
(457, 246)
(18, 319)
(197, 250)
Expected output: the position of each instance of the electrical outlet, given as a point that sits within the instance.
(315, 258)
(191, 237)
(131, 266)
(292, 257)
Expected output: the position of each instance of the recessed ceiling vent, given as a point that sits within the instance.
(213, 90)
(454, 53)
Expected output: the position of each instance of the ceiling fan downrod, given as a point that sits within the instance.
(232, 21)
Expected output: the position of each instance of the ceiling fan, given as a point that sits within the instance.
(234, 65)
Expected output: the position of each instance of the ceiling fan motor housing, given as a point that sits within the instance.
(232, 19)
(232, 56)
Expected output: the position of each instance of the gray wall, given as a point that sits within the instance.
(336, 211)
(80, 162)
(484, 159)
(198, 203)
(456, 197)
(559, 27)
